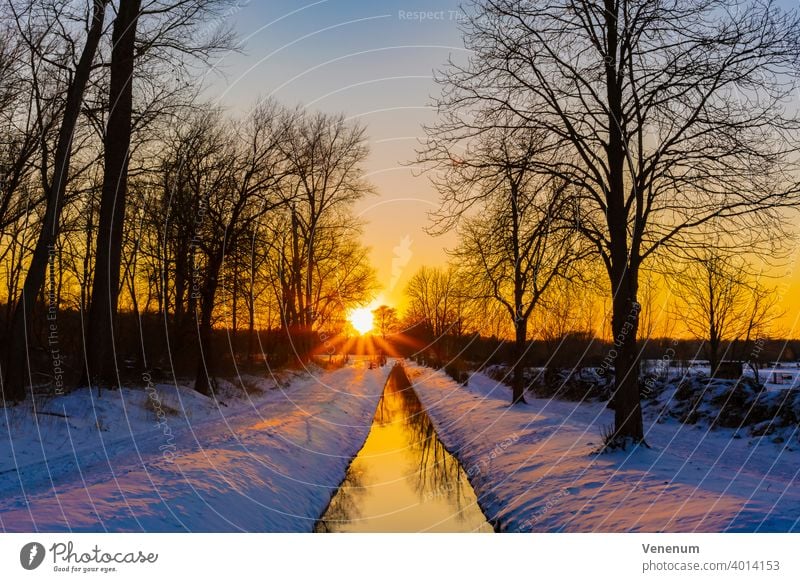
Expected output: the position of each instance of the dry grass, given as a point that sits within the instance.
(156, 406)
(250, 387)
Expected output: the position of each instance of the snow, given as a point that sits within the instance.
(533, 468)
(165, 458)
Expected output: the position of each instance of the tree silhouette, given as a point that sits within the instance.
(670, 121)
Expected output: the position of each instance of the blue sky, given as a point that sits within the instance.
(371, 61)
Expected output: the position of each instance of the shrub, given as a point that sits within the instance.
(457, 371)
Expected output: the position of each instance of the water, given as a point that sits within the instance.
(403, 479)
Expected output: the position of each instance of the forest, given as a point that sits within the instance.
(136, 217)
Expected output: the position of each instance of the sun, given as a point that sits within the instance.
(361, 320)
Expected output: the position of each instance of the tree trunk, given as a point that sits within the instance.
(205, 368)
(86, 276)
(626, 399)
(251, 306)
(518, 379)
(234, 306)
(713, 355)
(520, 321)
(251, 337)
(101, 363)
(623, 266)
(181, 277)
(299, 309)
(60, 276)
(16, 361)
(205, 361)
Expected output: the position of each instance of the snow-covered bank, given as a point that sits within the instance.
(532, 468)
(168, 459)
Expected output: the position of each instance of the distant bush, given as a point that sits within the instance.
(331, 362)
(581, 385)
(735, 404)
(456, 368)
(457, 372)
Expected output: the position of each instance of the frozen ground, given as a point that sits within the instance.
(533, 469)
(166, 458)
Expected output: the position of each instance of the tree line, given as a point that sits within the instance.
(710, 307)
(128, 202)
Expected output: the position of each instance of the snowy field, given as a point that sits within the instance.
(533, 468)
(267, 457)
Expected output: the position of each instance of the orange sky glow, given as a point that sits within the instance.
(369, 61)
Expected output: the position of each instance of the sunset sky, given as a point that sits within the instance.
(375, 65)
(374, 62)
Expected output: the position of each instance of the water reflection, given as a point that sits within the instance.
(403, 479)
(344, 506)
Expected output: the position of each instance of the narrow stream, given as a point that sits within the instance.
(403, 479)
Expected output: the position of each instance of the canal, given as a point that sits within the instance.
(403, 479)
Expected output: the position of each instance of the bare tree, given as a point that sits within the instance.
(16, 362)
(136, 211)
(19, 135)
(101, 365)
(257, 285)
(652, 312)
(568, 310)
(517, 243)
(670, 120)
(343, 276)
(20, 138)
(159, 37)
(761, 311)
(386, 320)
(436, 302)
(711, 295)
(247, 170)
(721, 302)
(325, 155)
